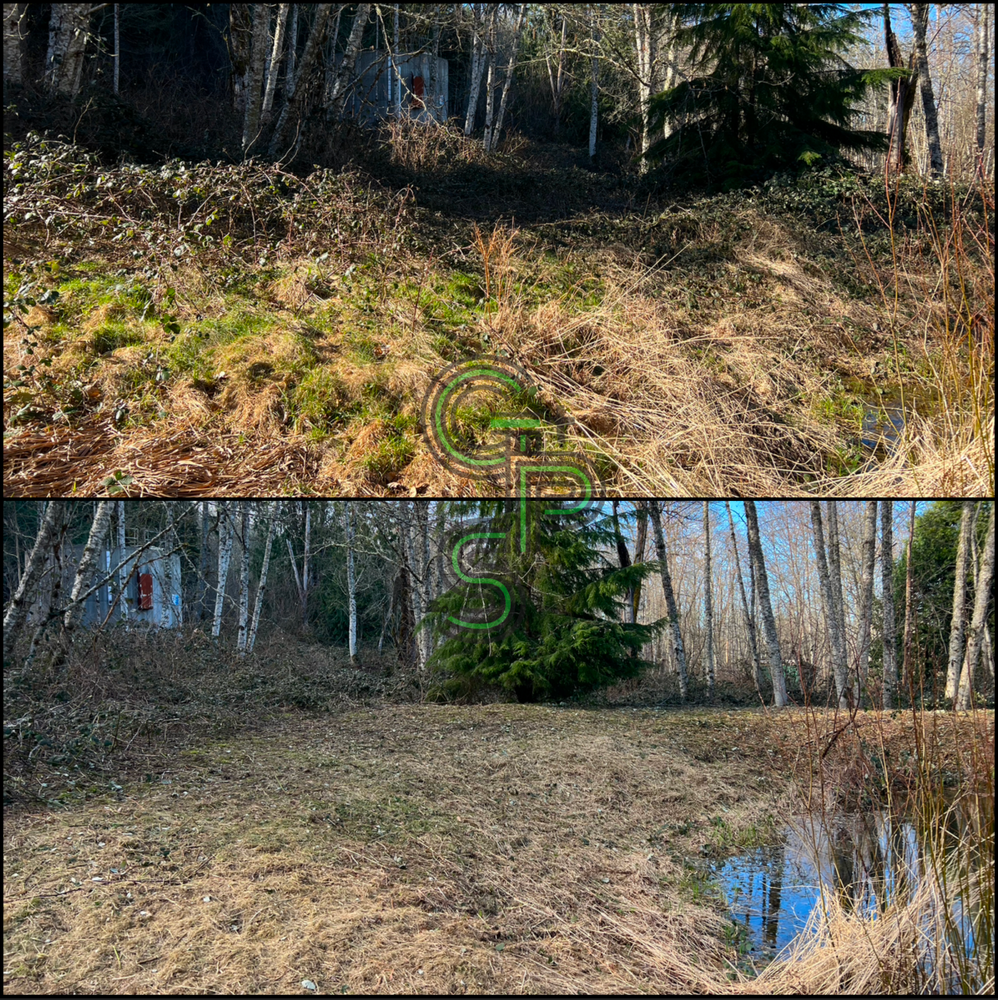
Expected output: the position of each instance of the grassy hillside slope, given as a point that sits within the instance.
(197, 329)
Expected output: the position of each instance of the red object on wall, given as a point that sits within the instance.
(417, 91)
(145, 591)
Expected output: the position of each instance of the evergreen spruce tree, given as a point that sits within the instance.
(561, 629)
(769, 91)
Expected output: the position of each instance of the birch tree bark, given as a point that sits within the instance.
(517, 34)
(708, 602)
(839, 670)
(982, 590)
(887, 586)
(982, 54)
(225, 535)
(345, 74)
(204, 561)
(12, 52)
(124, 573)
(255, 74)
(594, 88)
(67, 46)
(920, 25)
(84, 571)
(52, 524)
(909, 607)
(478, 31)
(866, 596)
(293, 89)
(351, 584)
(654, 513)
(959, 598)
(261, 586)
(275, 60)
(766, 606)
(242, 635)
(749, 617)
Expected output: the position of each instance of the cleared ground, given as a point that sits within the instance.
(430, 849)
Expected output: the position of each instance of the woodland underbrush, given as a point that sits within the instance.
(197, 329)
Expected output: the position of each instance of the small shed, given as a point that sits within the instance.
(152, 593)
(413, 85)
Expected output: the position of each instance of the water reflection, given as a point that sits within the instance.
(865, 859)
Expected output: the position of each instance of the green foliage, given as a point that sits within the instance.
(933, 561)
(565, 634)
(770, 92)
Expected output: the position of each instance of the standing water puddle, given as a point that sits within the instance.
(866, 860)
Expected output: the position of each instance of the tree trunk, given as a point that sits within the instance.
(670, 597)
(982, 54)
(351, 585)
(839, 670)
(749, 617)
(242, 636)
(866, 596)
(708, 602)
(959, 597)
(225, 535)
(68, 36)
(345, 74)
(204, 562)
(887, 580)
(766, 607)
(909, 609)
(49, 528)
(293, 89)
(902, 97)
(275, 60)
(12, 50)
(920, 24)
(84, 572)
(594, 88)
(261, 586)
(982, 591)
(123, 573)
(518, 32)
(255, 75)
(478, 29)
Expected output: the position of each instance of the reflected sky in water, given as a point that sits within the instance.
(866, 859)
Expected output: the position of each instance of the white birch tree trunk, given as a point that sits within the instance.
(477, 65)
(831, 617)
(351, 584)
(88, 559)
(766, 606)
(123, 573)
(959, 598)
(749, 617)
(67, 45)
(292, 90)
(344, 75)
(261, 586)
(887, 593)
(255, 74)
(982, 591)
(982, 56)
(670, 597)
(244, 540)
(12, 59)
(920, 25)
(594, 89)
(274, 61)
(708, 601)
(866, 595)
(16, 615)
(517, 34)
(225, 534)
(166, 570)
